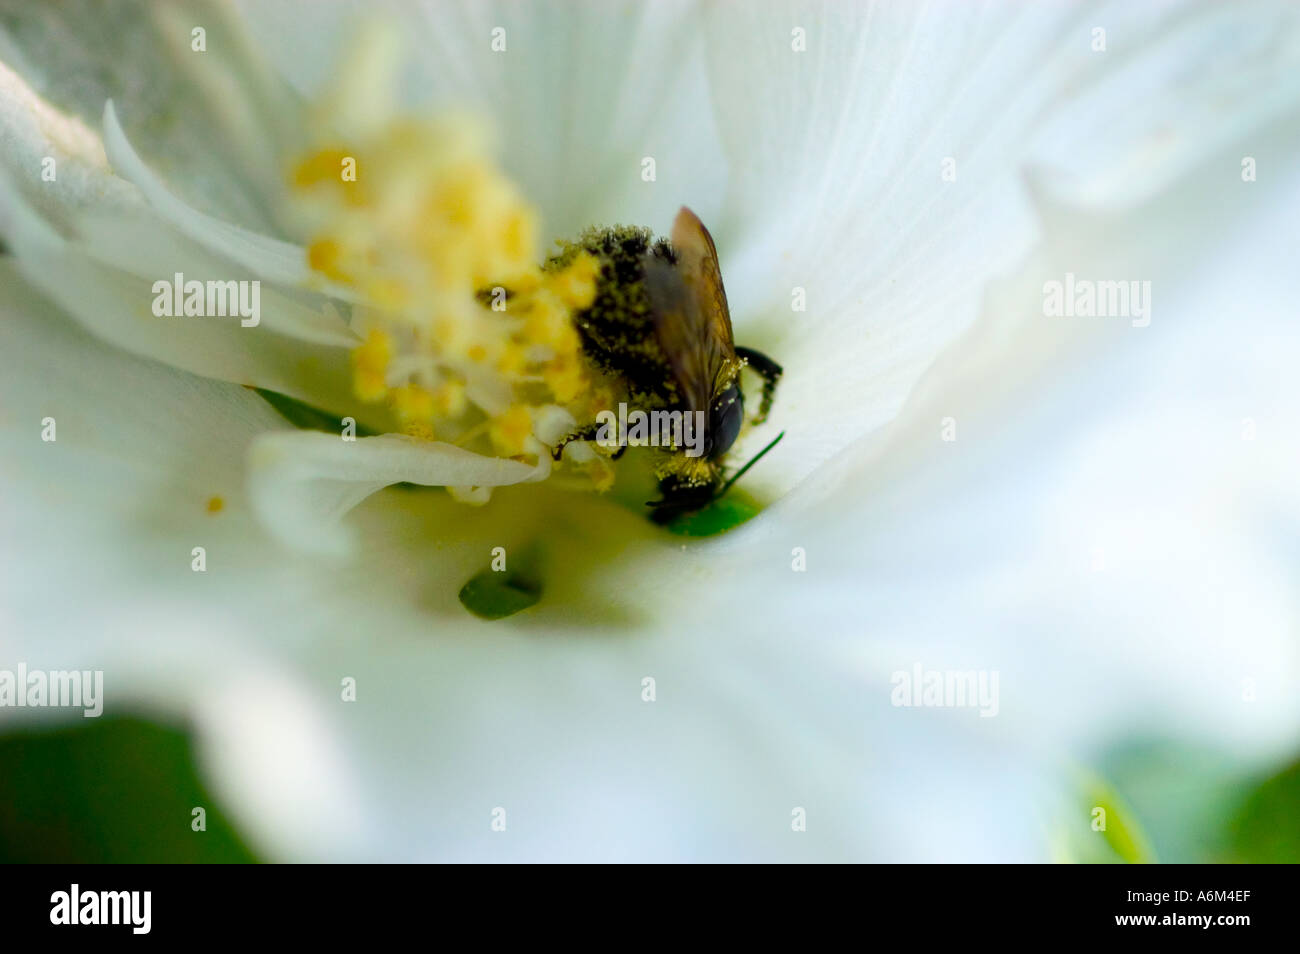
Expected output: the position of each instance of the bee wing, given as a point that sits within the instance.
(692, 321)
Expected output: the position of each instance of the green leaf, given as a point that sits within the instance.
(112, 790)
(1266, 829)
(1182, 790)
(1123, 834)
(1084, 840)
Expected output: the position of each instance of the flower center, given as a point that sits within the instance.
(466, 338)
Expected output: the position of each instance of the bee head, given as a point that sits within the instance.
(688, 490)
(680, 496)
(725, 418)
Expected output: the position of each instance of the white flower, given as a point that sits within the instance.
(1108, 530)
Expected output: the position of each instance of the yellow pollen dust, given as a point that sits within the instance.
(692, 471)
(601, 473)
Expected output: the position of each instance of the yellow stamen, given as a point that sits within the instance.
(412, 405)
(442, 253)
(370, 366)
(575, 285)
(511, 430)
(325, 255)
(325, 165)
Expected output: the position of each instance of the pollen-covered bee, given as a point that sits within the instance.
(660, 325)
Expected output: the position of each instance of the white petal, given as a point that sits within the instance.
(270, 258)
(1194, 79)
(117, 306)
(581, 96)
(213, 123)
(136, 244)
(36, 140)
(99, 529)
(1104, 529)
(87, 240)
(837, 157)
(302, 484)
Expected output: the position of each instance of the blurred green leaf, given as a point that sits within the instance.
(1121, 840)
(1266, 829)
(1184, 794)
(114, 790)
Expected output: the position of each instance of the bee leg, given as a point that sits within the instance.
(588, 433)
(769, 371)
(585, 434)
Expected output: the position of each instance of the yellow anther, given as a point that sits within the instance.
(525, 283)
(370, 366)
(510, 430)
(375, 352)
(512, 360)
(420, 429)
(575, 285)
(369, 386)
(412, 404)
(545, 317)
(457, 198)
(327, 165)
(325, 255)
(565, 377)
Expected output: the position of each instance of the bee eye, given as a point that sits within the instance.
(725, 418)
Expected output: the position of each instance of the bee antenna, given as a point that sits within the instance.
(752, 461)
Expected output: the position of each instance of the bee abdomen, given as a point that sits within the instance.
(618, 330)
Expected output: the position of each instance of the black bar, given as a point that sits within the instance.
(927, 903)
